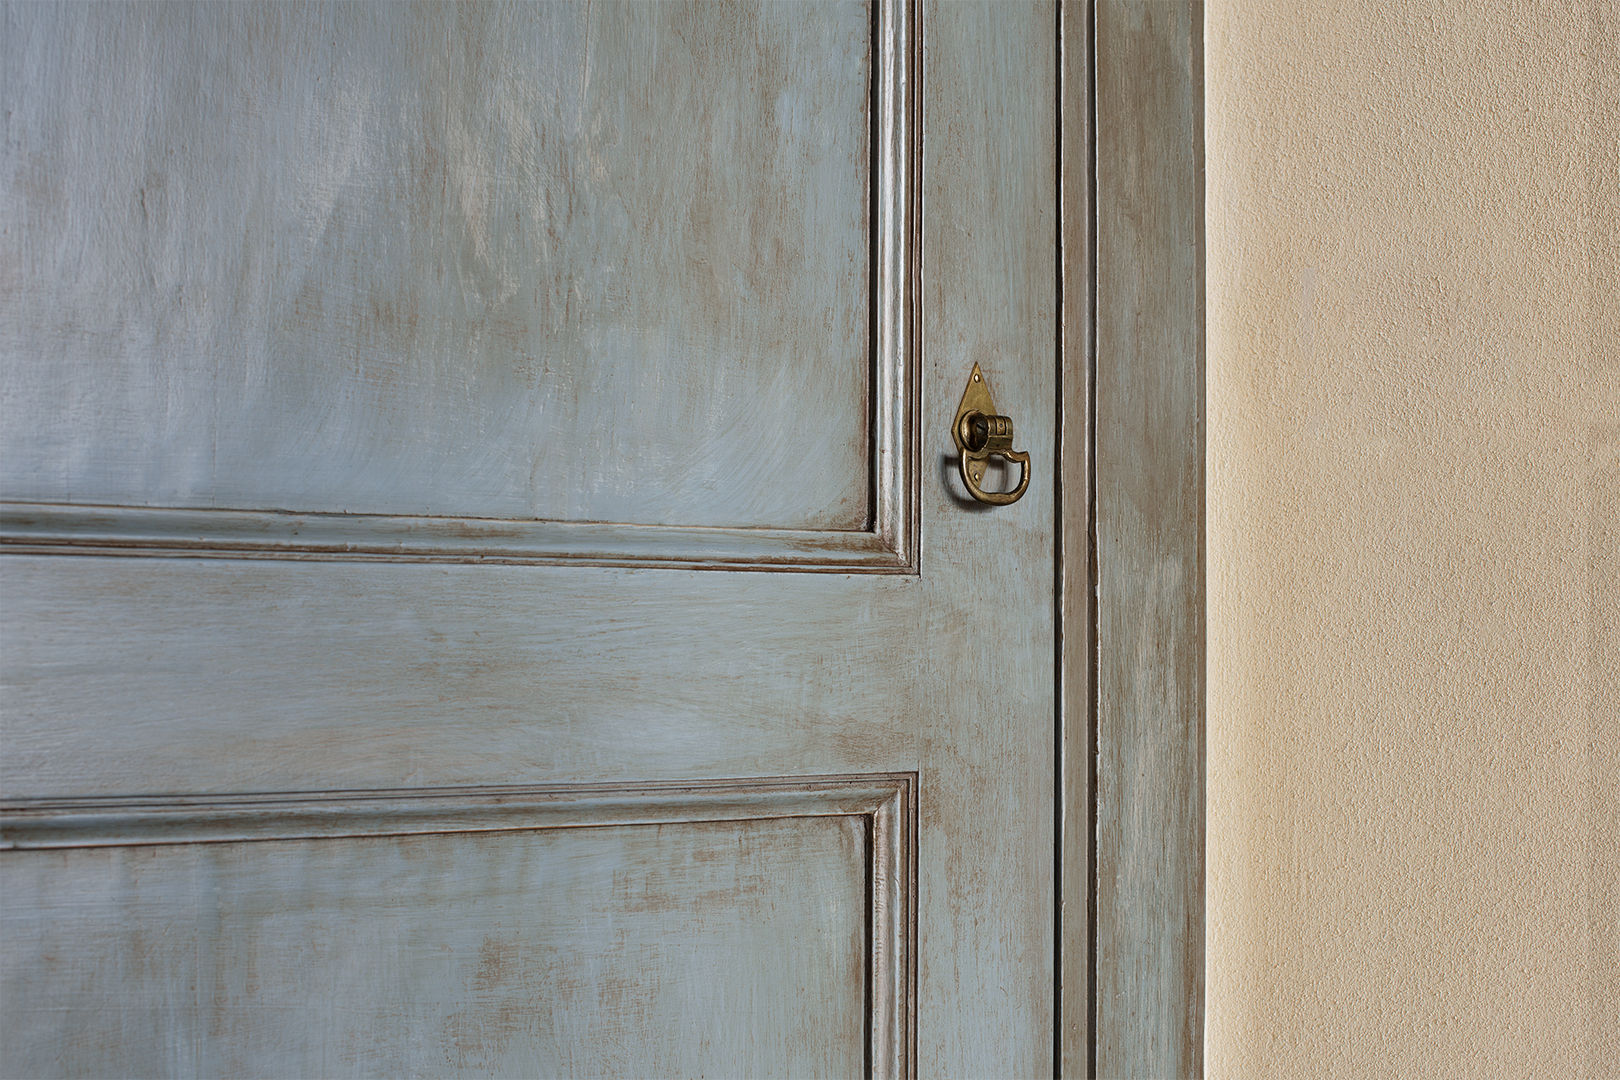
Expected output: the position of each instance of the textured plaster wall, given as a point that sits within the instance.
(1414, 538)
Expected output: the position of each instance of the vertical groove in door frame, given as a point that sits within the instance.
(1076, 640)
(1131, 684)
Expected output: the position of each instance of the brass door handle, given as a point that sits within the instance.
(982, 434)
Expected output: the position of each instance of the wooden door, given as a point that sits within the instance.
(485, 585)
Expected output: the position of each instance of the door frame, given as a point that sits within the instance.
(1130, 595)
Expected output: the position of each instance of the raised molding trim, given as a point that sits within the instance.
(61, 529)
(887, 546)
(888, 802)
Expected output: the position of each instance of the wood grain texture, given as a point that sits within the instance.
(1149, 913)
(1077, 644)
(988, 779)
(563, 262)
(278, 676)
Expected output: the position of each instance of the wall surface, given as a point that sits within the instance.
(1414, 538)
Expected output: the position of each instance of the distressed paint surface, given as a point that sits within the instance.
(718, 948)
(555, 261)
(985, 713)
(177, 676)
(1149, 913)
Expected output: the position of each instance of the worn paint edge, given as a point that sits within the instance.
(1076, 581)
(57, 529)
(887, 801)
(1151, 54)
(897, 282)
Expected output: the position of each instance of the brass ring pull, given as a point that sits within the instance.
(982, 434)
(974, 461)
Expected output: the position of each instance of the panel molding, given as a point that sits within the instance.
(889, 544)
(65, 529)
(887, 802)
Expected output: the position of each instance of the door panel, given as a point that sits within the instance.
(403, 260)
(519, 932)
(255, 591)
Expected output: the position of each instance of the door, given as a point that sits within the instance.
(487, 586)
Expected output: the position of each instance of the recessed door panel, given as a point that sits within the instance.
(679, 947)
(562, 262)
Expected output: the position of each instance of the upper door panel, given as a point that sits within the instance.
(517, 266)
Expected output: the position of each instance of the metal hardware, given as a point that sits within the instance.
(980, 435)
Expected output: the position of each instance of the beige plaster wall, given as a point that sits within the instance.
(1414, 538)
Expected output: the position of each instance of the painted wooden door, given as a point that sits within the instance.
(485, 585)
